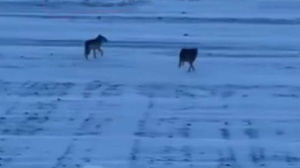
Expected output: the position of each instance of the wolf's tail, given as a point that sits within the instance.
(86, 50)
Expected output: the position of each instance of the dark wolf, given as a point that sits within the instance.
(188, 55)
(94, 44)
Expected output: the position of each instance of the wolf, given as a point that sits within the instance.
(94, 44)
(188, 55)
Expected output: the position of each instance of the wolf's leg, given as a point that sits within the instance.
(190, 67)
(100, 51)
(86, 52)
(86, 56)
(193, 67)
(179, 65)
(94, 52)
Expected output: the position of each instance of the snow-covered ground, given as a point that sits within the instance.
(133, 107)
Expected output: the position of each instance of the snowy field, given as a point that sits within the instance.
(133, 107)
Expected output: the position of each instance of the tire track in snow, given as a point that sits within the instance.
(287, 52)
(164, 19)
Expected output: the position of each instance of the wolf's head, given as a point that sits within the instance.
(101, 38)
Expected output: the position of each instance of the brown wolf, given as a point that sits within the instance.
(188, 55)
(94, 44)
